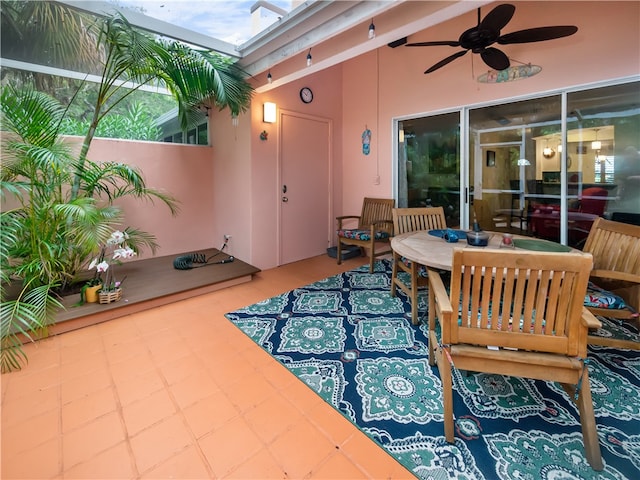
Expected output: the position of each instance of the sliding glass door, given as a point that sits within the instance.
(545, 167)
(429, 164)
(506, 163)
(603, 147)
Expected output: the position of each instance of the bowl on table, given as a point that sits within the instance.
(478, 238)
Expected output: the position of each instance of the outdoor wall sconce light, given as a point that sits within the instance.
(269, 112)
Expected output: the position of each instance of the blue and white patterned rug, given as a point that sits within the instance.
(354, 345)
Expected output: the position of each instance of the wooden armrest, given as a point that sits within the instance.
(589, 320)
(345, 217)
(614, 275)
(439, 291)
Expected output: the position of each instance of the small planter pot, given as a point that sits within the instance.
(91, 294)
(110, 296)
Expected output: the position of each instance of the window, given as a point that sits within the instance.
(172, 131)
(429, 164)
(528, 167)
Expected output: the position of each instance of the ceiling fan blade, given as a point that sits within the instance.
(497, 18)
(495, 58)
(447, 60)
(539, 34)
(449, 43)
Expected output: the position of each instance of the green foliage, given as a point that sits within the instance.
(136, 124)
(48, 236)
(64, 208)
(26, 316)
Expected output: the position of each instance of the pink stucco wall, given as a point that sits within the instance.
(232, 187)
(370, 90)
(245, 172)
(183, 171)
(599, 51)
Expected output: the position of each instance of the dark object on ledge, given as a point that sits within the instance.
(348, 251)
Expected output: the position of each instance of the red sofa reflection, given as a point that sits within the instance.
(544, 220)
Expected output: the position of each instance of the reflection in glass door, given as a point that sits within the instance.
(507, 165)
(531, 166)
(499, 181)
(429, 164)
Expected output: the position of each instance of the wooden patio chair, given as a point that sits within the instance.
(515, 313)
(614, 289)
(375, 225)
(410, 220)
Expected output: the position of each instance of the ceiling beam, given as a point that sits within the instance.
(401, 19)
(302, 30)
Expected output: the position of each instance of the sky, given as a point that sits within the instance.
(228, 20)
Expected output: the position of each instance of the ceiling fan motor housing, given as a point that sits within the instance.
(477, 39)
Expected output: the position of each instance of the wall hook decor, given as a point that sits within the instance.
(366, 141)
(263, 135)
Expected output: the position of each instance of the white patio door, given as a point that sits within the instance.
(305, 159)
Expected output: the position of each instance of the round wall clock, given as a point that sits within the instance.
(306, 95)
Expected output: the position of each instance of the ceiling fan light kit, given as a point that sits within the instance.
(548, 152)
(479, 39)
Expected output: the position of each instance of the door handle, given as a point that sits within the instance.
(284, 189)
(285, 199)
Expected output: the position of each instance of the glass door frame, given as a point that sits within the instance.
(565, 98)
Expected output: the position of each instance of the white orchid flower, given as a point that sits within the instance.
(123, 253)
(116, 238)
(102, 267)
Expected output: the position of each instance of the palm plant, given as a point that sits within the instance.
(64, 203)
(47, 237)
(194, 77)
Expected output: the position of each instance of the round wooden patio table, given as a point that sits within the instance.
(435, 252)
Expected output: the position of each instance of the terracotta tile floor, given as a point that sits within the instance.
(179, 392)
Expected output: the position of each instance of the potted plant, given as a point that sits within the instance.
(109, 289)
(65, 210)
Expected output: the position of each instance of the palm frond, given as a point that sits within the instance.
(34, 116)
(28, 316)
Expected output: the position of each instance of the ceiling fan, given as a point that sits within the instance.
(479, 38)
